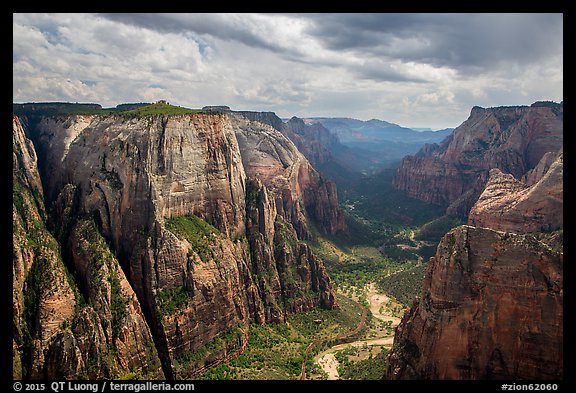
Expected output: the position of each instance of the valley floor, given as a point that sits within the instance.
(348, 343)
(378, 338)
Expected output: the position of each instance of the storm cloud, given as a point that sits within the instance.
(420, 70)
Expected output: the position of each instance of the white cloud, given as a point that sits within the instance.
(412, 70)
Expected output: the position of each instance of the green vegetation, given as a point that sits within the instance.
(67, 109)
(404, 286)
(374, 196)
(380, 216)
(372, 368)
(437, 228)
(252, 193)
(197, 231)
(228, 341)
(360, 274)
(36, 283)
(132, 376)
(172, 300)
(160, 108)
(118, 304)
(407, 349)
(277, 350)
(60, 108)
(284, 235)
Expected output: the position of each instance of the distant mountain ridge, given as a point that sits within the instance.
(375, 143)
(353, 131)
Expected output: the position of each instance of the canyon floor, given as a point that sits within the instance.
(320, 344)
(383, 308)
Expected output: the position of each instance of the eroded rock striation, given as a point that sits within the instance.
(507, 204)
(64, 328)
(454, 172)
(492, 302)
(492, 308)
(311, 152)
(197, 219)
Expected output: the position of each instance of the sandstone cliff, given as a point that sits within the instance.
(492, 302)
(491, 308)
(454, 172)
(202, 217)
(300, 145)
(64, 328)
(507, 204)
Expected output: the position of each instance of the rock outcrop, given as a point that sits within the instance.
(198, 219)
(295, 146)
(491, 308)
(454, 172)
(507, 204)
(492, 302)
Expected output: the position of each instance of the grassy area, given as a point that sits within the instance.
(160, 108)
(197, 231)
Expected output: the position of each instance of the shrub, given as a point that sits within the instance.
(197, 231)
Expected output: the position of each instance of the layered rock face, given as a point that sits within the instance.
(492, 303)
(270, 156)
(492, 308)
(314, 140)
(63, 328)
(507, 204)
(168, 194)
(454, 172)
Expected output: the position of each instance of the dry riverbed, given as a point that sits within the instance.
(384, 310)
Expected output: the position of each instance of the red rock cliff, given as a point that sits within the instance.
(507, 204)
(168, 195)
(512, 139)
(491, 308)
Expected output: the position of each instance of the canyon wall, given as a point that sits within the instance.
(64, 328)
(454, 172)
(193, 222)
(492, 302)
(492, 308)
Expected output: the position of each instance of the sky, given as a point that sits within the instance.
(415, 70)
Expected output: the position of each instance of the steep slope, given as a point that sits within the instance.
(492, 303)
(492, 308)
(276, 160)
(169, 195)
(507, 204)
(61, 331)
(454, 172)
